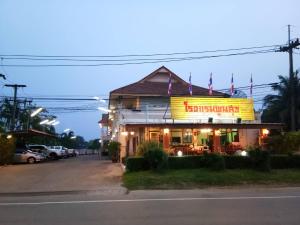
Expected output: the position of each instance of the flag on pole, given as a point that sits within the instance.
(232, 86)
(251, 86)
(170, 85)
(190, 85)
(210, 87)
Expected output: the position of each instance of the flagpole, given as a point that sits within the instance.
(251, 87)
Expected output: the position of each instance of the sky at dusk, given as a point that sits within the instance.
(55, 27)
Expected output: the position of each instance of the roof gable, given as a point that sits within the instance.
(162, 75)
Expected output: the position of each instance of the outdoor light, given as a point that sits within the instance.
(55, 123)
(44, 121)
(166, 130)
(217, 132)
(104, 109)
(179, 153)
(34, 113)
(73, 137)
(51, 122)
(244, 153)
(131, 132)
(100, 141)
(99, 99)
(265, 132)
(9, 136)
(205, 130)
(67, 130)
(124, 133)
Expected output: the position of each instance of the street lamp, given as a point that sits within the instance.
(51, 122)
(37, 111)
(44, 121)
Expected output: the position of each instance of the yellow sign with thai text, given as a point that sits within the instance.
(190, 108)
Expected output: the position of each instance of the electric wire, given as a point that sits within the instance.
(138, 55)
(142, 62)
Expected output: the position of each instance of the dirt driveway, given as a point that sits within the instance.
(82, 173)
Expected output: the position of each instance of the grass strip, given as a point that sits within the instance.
(197, 178)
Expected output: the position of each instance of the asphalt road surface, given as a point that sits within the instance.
(253, 206)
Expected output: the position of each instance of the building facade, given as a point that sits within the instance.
(161, 108)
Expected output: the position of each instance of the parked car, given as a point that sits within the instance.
(24, 155)
(64, 151)
(72, 152)
(50, 153)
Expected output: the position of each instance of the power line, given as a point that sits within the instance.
(136, 55)
(143, 62)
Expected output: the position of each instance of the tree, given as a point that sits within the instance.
(23, 119)
(277, 105)
(94, 144)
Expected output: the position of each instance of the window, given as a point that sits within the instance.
(176, 137)
(187, 136)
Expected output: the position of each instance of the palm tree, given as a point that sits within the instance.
(277, 105)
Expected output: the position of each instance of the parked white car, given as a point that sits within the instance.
(23, 155)
(49, 152)
(62, 150)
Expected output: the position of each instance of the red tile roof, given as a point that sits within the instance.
(146, 88)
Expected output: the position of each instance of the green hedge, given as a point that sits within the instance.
(237, 162)
(136, 164)
(231, 162)
(285, 161)
(187, 162)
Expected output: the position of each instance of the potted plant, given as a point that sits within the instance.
(114, 150)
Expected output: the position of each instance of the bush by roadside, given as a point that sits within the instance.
(231, 162)
(284, 144)
(214, 162)
(7, 148)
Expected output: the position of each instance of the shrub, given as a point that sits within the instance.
(284, 144)
(114, 150)
(295, 161)
(146, 146)
(237, 162)
(285, 161)
(157, 159)
(260, 160)
(7, 148)
(185, 162)
(280, 161)
(214, 161)
(136, 164)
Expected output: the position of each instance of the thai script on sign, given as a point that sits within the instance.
(211, 108)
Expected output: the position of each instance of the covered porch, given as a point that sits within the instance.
(195, 139)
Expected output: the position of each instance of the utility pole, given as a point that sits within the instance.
(3, 76)
(292, 106)
(15, 87)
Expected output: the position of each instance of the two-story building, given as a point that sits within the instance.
(153, 109)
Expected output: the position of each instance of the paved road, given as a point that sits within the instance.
(211, 207)
(80, 173)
